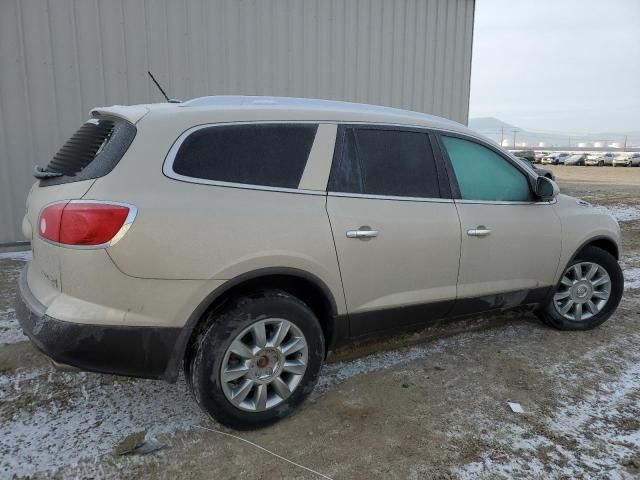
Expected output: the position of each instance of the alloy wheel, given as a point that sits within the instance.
(583, 291)
(264, 364)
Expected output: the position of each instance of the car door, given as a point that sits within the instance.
(511, 243)
(395, 227)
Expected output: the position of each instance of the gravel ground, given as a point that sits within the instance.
(432, 404)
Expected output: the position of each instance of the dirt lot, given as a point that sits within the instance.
(427, 405)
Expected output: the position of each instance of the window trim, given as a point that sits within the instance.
(446, 195)
(169, 172)
(453, 179)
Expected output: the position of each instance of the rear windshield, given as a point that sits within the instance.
(92, 152)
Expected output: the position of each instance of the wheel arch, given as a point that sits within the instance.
(307, 287)
(605, 243)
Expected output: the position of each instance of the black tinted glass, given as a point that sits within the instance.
(269, 155)
(386, 162)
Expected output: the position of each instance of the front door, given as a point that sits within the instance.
(510, 242)
(396, 232)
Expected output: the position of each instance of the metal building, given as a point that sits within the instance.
(58, 59)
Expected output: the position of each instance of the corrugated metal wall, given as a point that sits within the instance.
(60, 58)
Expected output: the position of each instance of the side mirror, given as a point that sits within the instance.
(546, 189)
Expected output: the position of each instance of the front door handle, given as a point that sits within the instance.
(362, 232)
(480, 231)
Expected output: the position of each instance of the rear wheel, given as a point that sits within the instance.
(257, 360)
(601, 164)
(588, 292)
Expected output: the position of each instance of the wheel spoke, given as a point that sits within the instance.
(294, 345)
(565, 308)
(561, 295)
(577, 271)
(281, 388)
(259, 334)
(600, 281)
(241, 349)
(602, 294)
(578, 313)
(296, 367)
(231, 374)
(239, 394)
(592, 307)
(261, 397)
(592, 271)
(280, 333)
(566, 281)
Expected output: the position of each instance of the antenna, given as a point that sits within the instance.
(170, 100)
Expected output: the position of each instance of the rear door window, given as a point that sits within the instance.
(375, 161)
(272, 155)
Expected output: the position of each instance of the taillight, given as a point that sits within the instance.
(84, 223)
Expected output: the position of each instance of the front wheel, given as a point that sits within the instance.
(257, 360)
(588, 293)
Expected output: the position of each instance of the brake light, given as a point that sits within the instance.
(83, 223)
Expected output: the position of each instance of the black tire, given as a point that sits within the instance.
(204, 360)
(550, 315)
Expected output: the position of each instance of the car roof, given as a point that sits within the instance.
(258, 108)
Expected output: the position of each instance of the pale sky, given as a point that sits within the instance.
(558, 65)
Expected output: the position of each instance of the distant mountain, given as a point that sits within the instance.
(498, 130)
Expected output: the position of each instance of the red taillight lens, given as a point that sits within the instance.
(49, 224)
(78, 223)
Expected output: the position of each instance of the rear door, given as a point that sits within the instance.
(395, 227)
(510, 242)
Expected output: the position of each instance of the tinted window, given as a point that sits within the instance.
(269, 155)
(386, 162)
(92, 152)
(483, 174)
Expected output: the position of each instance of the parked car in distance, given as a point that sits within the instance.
(242, 238)
(576, 159)
(628, 160)
(528, 154)
(555, 159)
(543, 172)
(607, 159)
(540, 156)
(594, 159)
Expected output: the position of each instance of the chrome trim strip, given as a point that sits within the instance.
(133, 212)
(390, 197)
(501, 202)
(167, 167)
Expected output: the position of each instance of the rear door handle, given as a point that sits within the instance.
(480, 231)
(363, 232)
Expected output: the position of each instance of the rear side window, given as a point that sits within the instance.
(92, 152)
(272, 155)
(482, 174)
(385, 162)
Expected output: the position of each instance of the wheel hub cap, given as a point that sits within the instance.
(583, 292)
(266, 365)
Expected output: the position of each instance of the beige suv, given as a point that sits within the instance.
(244, 237)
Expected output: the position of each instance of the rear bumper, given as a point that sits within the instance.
(120, 350)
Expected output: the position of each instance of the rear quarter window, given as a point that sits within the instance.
(271, 155)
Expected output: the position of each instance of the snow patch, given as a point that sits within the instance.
(631, 278)
(24, 256)
(66, 418)
(594, 434)
(621, 211)
(10, 331)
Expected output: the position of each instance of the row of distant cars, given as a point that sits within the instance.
(595, 159)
